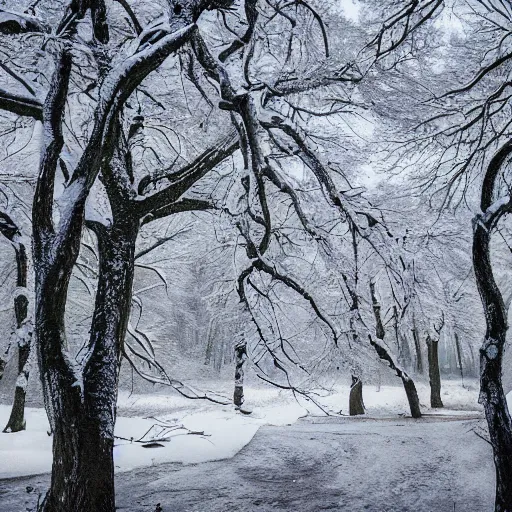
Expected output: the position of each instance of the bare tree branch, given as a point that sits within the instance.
(21, 105)
(15, 23)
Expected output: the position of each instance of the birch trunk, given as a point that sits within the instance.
(240, 359)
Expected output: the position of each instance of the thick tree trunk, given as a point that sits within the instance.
(84, 411)
(80, 397)
(62, 391)
(433, 373)
(492, 395)
(412, 395)
(356, 404)
(83, 469)
(240, 359)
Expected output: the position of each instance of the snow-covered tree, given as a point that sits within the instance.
(91, 62)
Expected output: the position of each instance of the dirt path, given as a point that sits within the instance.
(430, 465)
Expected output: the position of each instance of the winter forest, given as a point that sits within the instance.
(255, 255)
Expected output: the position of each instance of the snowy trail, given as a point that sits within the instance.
(345, 464)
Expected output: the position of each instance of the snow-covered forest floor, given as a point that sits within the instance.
(226, 430)
(275, 462)
(329, 463)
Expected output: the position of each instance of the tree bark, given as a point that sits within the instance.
(433, 373)
(459, 356)
(492, 396)
(80, 396)
(240, 359)
(62, 390)
(412, 395)
(384, 353)
(474, 364)
(85, 412)
(16, 421)
(356, 404)
(355, 400)
(101, 373)
(417, 346)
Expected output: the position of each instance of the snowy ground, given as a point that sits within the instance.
(226, 431)
(339, 464)
(379, 448)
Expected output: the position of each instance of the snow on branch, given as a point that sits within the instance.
(316, 16)
(159, 242)
(119, 85)
(182, 205)
(136, 25)
(489, 217)
(311, 160)
(53, 113)
(251, 13)
(167, 200)
(77, 9)
(16, 23)
(260, 264)
(384, 352)
(8, 228)
(482, 73)
(21, 105)
(349, 73)
(115, 90)
(493, 209)
(402, 23)
(273, 174)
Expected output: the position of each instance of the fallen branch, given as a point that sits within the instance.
(161, 433)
